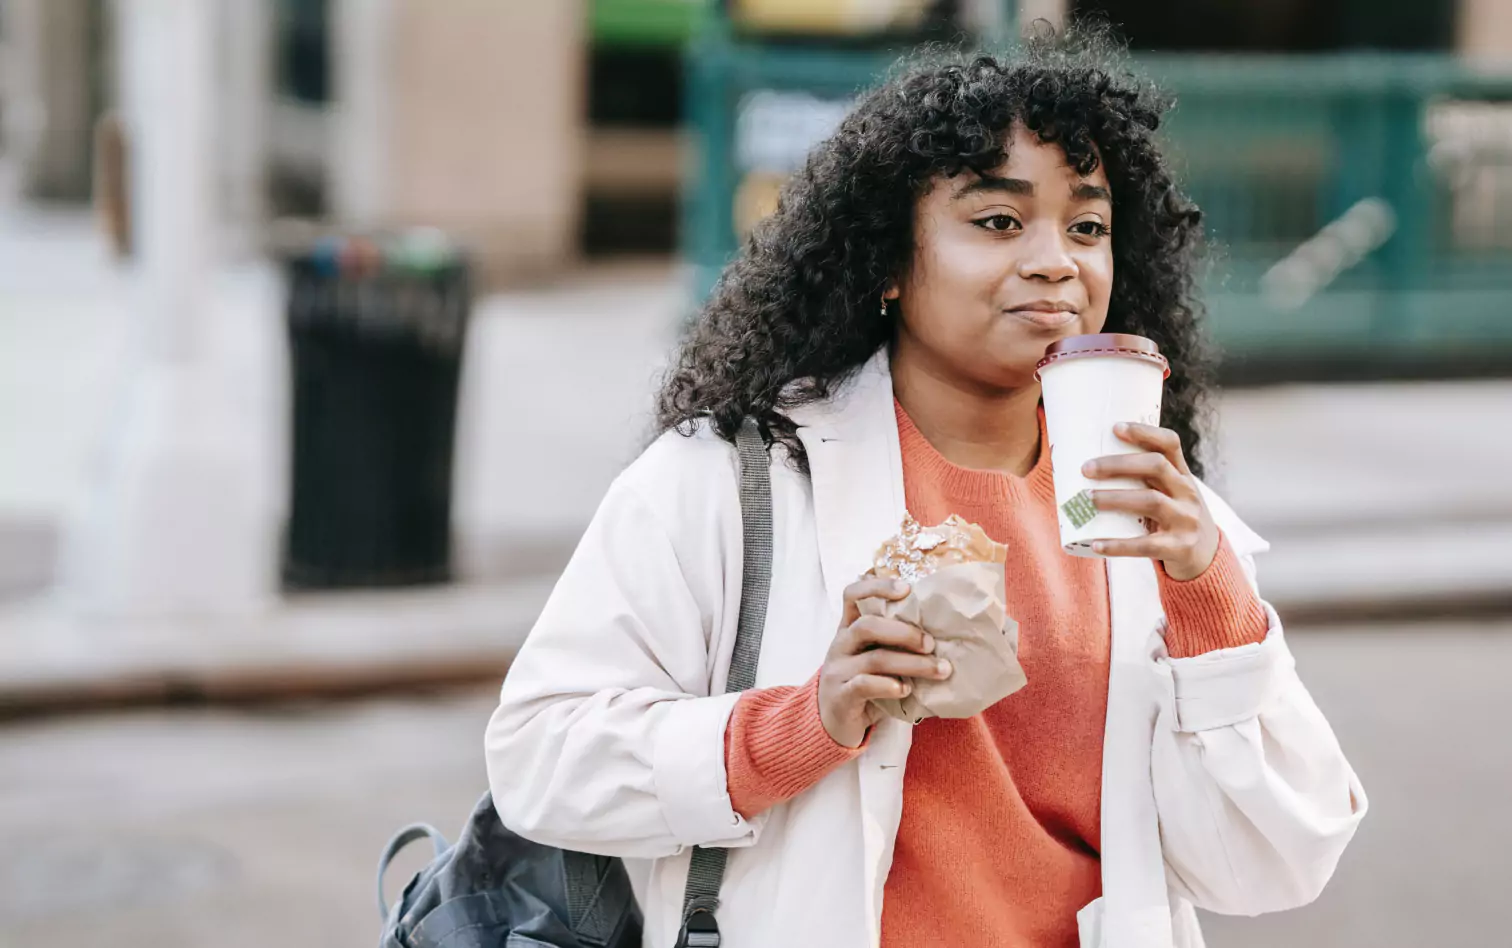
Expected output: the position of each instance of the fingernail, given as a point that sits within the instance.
(929, 643)
(1089, 468)
(1099, 546)
(1123, 427)
(905, 689)
(899, 586)
(944, 668)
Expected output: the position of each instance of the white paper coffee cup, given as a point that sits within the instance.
(1091, 383)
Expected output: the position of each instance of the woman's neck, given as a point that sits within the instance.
(971, 427)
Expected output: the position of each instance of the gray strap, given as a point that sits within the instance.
(756, 576)
(706, 871)
(402, 839)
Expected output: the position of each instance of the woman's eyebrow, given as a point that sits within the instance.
(1091, 192)
(1018, 186)
(996, 185)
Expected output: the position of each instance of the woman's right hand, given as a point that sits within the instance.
(868, 660)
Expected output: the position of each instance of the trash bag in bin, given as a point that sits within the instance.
(376, 331)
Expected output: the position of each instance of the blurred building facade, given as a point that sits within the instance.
(508, 123)
(465, 115)
(540, 132)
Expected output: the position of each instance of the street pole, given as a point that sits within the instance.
(175, 523)
(247, 51)
(167, 87)
(362, 42)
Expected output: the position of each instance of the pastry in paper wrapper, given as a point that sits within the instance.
(956, 572)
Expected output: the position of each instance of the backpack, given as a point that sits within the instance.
(495, 889)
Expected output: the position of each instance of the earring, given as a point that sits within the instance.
(884, 307)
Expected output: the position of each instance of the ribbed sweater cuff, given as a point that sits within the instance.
(1217, 610)
(776, 747)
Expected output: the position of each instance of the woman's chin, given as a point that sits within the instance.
(1011, 372)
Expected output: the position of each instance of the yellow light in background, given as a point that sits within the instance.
(756, 199)
(827, 16)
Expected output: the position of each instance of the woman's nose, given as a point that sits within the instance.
(1045, 256)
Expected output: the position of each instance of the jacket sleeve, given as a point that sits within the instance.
(605, 739)
(1255, 798)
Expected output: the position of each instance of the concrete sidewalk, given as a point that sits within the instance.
(325, 645)
(1378, 499)
(180, 827)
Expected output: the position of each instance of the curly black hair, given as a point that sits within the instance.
(796, 314)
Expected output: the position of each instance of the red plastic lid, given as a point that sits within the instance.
(1126, 345)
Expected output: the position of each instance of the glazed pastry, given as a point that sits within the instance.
(918, 551)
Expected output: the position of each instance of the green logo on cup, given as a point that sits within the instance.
(1079, 509)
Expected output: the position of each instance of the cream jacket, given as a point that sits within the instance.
(1223, 785)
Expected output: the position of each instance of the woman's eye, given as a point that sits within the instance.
(1091, 229)
(998, 222)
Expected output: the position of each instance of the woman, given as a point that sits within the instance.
(884, 326)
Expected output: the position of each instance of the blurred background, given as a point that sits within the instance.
(324, 325)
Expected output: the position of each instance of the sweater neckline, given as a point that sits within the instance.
(970, 485)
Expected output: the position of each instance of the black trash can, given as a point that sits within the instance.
(377, 329)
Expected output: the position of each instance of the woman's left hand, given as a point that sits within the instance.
(1182, 534)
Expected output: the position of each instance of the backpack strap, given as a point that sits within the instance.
(706, 871)
(598, 897)
(411, 833)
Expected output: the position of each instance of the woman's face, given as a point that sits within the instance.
(1006, 264)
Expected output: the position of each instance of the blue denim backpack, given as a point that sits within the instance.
(495, 889)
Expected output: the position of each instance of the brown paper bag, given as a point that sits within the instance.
(962, 606)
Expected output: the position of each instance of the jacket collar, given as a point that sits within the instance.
(859, 405)
(856, 467)
(856, 472)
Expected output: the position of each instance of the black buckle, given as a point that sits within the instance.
(699, 929)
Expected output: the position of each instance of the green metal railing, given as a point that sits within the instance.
(1360, 207)
(664, 23)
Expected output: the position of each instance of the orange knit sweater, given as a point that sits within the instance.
(1000, 835)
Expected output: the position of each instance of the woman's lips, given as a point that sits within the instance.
(1046, 319)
